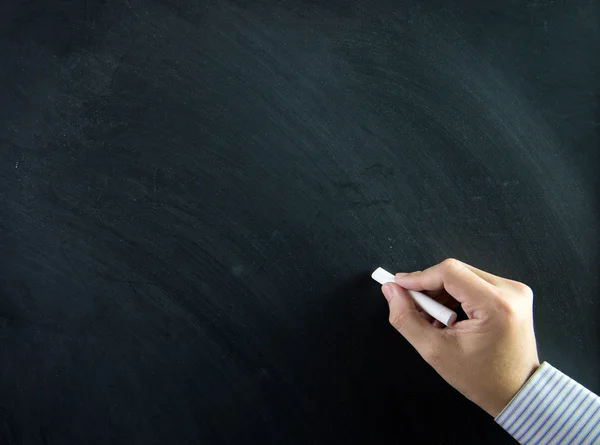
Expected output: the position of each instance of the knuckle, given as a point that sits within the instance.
(524, 290)
(450, 264)
(397, 320)
(507, 310)
(412, 275)
(495, 293)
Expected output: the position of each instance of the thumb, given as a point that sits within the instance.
(406, 319)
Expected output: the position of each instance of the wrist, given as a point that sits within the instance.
(502, 401)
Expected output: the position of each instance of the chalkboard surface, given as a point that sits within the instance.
(193, 194)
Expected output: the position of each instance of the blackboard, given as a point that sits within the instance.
(193, 194)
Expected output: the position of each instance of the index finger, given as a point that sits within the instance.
(452, 275)
(495, 279)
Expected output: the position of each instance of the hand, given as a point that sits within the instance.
(488, 357)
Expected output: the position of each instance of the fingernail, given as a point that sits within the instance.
(401, 274)
(388, 291)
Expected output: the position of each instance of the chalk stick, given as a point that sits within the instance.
(428, 304)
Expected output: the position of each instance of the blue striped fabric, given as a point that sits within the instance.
(552, 409)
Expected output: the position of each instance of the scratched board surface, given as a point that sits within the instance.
(193, 194)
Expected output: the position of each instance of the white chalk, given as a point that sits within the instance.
(428, 304)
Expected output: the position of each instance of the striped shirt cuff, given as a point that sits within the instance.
(552, 409)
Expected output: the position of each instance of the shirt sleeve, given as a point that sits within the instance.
(552, 409)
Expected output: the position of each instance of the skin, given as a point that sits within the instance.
(488, 357)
